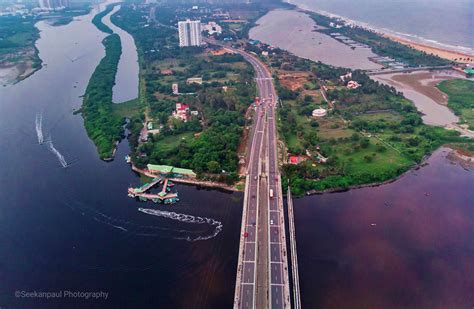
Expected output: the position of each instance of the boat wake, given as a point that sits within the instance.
(187, 219)
(39, 127)
(132, 228)
(60, 157)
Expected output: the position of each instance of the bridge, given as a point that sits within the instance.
(262, 270)
(407, 70)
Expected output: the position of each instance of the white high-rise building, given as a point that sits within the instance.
(53, 4)
(190, 33)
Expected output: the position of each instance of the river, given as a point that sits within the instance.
(126, 86)
(420, 88)
(75, 228)
(407, 244)
(296, 34)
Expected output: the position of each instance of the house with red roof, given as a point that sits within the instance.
(181, 112)
(293, 160)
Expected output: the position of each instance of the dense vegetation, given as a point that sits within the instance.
(103, 126)
(461, 99)
(17, 40)
(17, 32)
(370, 135)
(206, 143)
(381, 45)
(97, 20)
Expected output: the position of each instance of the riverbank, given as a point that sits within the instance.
(191, 181)
(447, 108)
(460, 93)
(411, 238)
(19, 57)
(460, 155)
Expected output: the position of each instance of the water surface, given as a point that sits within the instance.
(295, 34)
(408, 244)
(75, 228)
(442, 23)
(420, 88)
(126, 81)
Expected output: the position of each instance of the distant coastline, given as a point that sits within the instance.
(439, 49)
(440, 52)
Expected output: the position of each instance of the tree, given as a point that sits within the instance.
(213, 167)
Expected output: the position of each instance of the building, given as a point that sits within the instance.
(212, 27)
(181, 112)
(293, 160)
(175, 89)
(345, 77)
(168, 170)
(194, 80)
(53, 4)
(189, 33)
(353, 85)
(319, 112)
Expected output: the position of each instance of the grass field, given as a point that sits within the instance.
(128, 109)
(461, 98)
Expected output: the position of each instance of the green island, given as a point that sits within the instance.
(97, 20)
(103, 123)
(460, 99)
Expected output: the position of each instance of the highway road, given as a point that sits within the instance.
(262, 273)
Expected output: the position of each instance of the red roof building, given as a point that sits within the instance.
(182, 112)
(293, 160)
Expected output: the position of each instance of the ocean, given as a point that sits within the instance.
(440, 23)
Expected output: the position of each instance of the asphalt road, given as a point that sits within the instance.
(264, 277)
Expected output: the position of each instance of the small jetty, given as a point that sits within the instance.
(165, 196)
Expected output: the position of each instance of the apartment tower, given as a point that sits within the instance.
(189, 33)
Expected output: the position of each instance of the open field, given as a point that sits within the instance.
(370, 134)
(460, 99)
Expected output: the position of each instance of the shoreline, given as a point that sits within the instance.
(440, 52)
(444, 52)
(454, 152)
(194, 182)
(15, 72)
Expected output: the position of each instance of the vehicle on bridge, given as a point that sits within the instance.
(271, 193)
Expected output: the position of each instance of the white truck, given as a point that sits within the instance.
(271, 193)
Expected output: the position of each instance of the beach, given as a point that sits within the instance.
(444, 28)
(440, 52)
